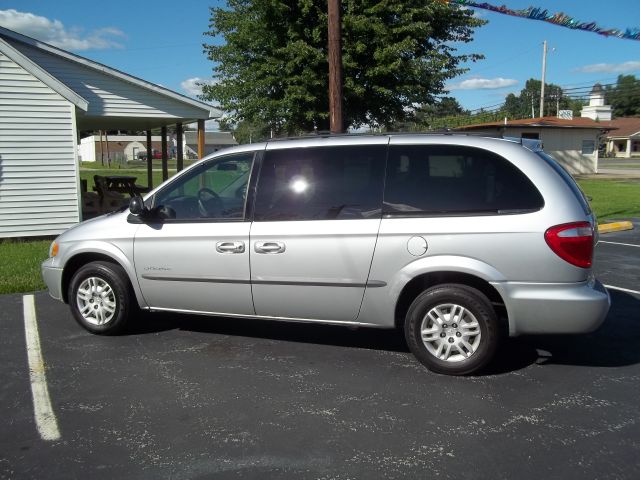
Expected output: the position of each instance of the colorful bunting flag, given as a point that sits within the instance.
(559, 18)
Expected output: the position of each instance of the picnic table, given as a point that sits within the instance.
(121, 184)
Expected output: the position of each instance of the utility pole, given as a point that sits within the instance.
(335, 67)
(544, 73)
(533, 111)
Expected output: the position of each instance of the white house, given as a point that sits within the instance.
(624, 142)
(47, 95)
(213, 141)
(597, 110)
(127, 147)
(117, 147)
(573, 143)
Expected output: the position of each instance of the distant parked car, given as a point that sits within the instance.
(142, 155)
(457, 240)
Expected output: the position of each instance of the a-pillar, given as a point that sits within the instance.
(165, 155)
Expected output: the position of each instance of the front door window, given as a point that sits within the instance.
(216, 190)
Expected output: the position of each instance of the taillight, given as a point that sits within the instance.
(573, 242)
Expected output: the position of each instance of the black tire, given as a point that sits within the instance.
(478, 310)
(113, 305)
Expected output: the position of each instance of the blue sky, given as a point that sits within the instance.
(161, 40)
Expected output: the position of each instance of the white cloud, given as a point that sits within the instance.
(55, 33)
(483, 83)
(193, 86)
(631, 66)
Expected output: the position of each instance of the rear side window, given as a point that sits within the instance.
(455, 180)
(321, 183)
(568, 179)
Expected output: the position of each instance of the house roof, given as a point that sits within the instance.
(42, 75)
(626, 127)
(542, 122)
(211, 138)
(59, 69)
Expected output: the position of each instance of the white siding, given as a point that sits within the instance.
(38, 173)
(566, 147)
(107, 95)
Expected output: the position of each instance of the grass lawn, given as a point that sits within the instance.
(221, 178)
(88, 171)
(20, 266)
(135, 169)
(611, 198)
(87, 174)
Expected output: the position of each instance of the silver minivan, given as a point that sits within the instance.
(459, 240)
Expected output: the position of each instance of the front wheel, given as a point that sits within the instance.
(100, 298)
(452, 329)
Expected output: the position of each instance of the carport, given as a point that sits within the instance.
(49, 95)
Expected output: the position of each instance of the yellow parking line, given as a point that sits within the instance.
(615, 227)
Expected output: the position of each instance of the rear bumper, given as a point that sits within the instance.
(554, 308)
(52, 278)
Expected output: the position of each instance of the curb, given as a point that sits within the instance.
(614, 227)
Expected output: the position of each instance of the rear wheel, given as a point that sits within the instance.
(452, 329)
(100, 297)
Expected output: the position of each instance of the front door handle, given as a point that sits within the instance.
(230, 247)
(269, 247)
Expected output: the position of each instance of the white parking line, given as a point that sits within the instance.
(618, 243)
(46, 422)
(611, 287)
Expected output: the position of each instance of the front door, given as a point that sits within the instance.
(199, 260)
(316, 220)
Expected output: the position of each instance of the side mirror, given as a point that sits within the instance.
(136, 205)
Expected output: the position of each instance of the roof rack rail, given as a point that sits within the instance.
(326, 134)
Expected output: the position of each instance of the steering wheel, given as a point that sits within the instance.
(209, 202)
(241, 192)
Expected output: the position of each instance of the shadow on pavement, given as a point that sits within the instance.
(368, 338)
(616, 343)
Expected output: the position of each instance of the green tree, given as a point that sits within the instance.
(439, 114)
(271, 59)
(528, 101)
(246, 131)
(624, 96)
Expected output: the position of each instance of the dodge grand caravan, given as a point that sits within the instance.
(458, 240)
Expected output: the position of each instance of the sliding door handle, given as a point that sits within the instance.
(269, 247)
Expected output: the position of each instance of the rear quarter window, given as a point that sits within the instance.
(568, 179)
(455, 180)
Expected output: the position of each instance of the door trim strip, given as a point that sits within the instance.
(168, 278)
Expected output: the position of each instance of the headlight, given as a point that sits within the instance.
(53, 249)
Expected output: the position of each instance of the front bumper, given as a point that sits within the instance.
(554, 308)
(52, 277)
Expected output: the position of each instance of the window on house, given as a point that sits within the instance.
(531, 135)
(588, 147)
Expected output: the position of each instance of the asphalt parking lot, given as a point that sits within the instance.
(197, 397)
